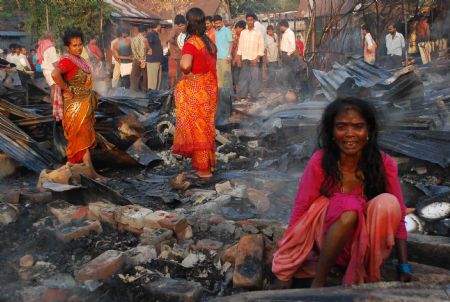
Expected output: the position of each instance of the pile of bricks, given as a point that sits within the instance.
(132, 218)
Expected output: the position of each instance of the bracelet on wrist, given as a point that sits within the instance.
(404, 268)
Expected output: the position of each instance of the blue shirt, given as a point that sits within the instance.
(223, 40)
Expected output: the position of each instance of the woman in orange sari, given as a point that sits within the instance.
(349, 211)
(73, 75)
(196, 98)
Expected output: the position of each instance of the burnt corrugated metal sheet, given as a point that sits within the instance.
(127, 9)
(432, 146)
(21, 147)
(398, 97)
(326, 7)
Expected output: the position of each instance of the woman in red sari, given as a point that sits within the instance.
(349, 211)
(73, 75)
(196, 98)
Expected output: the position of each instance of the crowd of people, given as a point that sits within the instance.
(248, 54)
(396, 45)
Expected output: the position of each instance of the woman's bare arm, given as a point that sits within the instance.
(58, 78)
(186, 63)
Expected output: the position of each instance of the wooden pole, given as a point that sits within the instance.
(46, 17)
(101, 24)
(406, 32)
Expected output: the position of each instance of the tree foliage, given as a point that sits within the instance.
(62, 14)
(262, 6)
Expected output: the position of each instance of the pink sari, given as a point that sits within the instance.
(380, 222)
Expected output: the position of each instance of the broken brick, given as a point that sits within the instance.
(259, 199)
(175, 222)
(76, 171)
(224, 187)
(151, 220)
(186, 235)
(102, 267)
(128, 228)
(248, 267)
(140, 254)
(54, 295)
(61, 176)
(11, 196)
(155, 236)
(174, 290)
(77, 229)
(215, 220)
(132, 215)
(26, 261)
(207, 245)
(66, 212)
(229, 255)
(108, 215)
(8, 213)
(38, 197)
(94, 209)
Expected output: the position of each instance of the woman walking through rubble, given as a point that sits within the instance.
(196, 98)
(73, 75)
(349, 211)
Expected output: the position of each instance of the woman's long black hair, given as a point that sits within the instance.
(196, 26)
(371, 162)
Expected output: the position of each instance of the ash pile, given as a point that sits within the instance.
(137, 238)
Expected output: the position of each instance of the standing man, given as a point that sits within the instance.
(48, 58)
(236, 70)
(122, 50)
(115, 62)
(154, 57)
(176, 44)
(23, 65)
(250, 51)
(224, 44)
(30, 59)
(369, 45)
(11, 53)
(271, 55)
(210, 32)
(395, 45)
(289, 56)
(138, 77)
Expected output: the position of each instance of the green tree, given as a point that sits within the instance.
(62, 14)
(262, 6)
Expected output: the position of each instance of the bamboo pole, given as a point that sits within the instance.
(46, 17)
(406, 32)
(101, 24)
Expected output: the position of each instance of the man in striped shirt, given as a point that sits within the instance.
(138, 77)
(250, 50)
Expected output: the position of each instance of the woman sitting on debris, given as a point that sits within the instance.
(73, 75)
(196, 98)
(349, 211)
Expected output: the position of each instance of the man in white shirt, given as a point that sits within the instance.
(289, 55)
(395, 45)
(12, 57)
(49, 57)
(271, 58)
(250, 51)
(115, 62)
(23, 64)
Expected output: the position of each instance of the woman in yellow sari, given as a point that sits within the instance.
(73, 75)
(196, 98)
